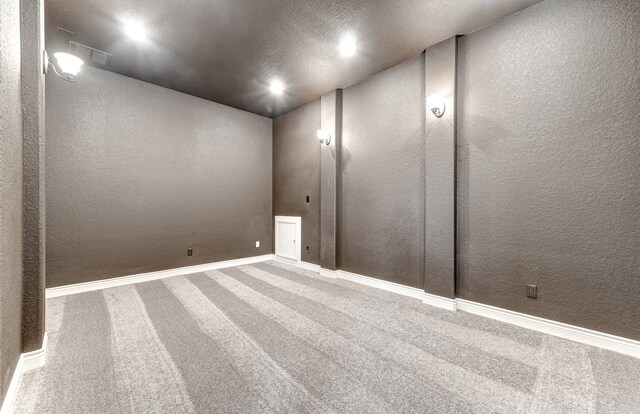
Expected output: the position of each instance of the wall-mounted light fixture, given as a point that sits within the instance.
(324, 136)
(435, 103)
(69, 65)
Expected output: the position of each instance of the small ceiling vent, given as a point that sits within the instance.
(90, 55)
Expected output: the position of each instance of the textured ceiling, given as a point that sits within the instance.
(227, 51)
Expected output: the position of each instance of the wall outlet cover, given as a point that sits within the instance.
(532, 291)
(257, 244)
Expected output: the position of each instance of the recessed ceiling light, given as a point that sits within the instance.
(135, 31)
(348, 46)
(276, 87)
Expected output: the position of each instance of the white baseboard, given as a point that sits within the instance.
(145, 277)
(36, 359)
(26, 362)
(439, 301)
(297, 263)
(380, 284)
(286, 260)
(574, 333)
(563, 330)
(309, 266)
(331, 274)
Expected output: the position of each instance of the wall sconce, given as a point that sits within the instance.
(69, 65)
(324, 136)
(435, 103)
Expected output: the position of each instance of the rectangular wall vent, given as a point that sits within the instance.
(89, 54)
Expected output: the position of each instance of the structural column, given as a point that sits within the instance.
(440, 211)
(331, 121)
(33, 291)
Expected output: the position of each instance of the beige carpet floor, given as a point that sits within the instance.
(269, 338)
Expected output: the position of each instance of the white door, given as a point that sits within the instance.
(287, 237)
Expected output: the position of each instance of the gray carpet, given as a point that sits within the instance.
(269, 338)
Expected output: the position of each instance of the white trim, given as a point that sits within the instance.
(26, 362)
(563, 330)
(331, 274)
(12, 391)
(36, 359)
(381, 284)
(298, 240)
(309, 266)
(285, 260)
(145, 277)
(439, 301)
(303, 265)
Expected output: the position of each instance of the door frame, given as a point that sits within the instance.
(298, 223)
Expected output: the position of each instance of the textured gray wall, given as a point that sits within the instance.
(330, 183)
(440, 165)
(296, 173)
(10, 192)
(137, 173)
(383, 192)
(549, 163)
(33, 302)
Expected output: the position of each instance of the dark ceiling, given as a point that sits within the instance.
(227, 51)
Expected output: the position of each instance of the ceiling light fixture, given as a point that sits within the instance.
(276, 87)
(348, 46)
(135, 31)
(69, 65)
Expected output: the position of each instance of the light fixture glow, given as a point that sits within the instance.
(135, 31)
(324, 136)
(276, 87)
(348, 46)
(69, 65)
(436, 104)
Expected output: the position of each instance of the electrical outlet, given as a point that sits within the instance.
(307, 199)
(532, 291)
(306, 249)
(189, 251)
(257, 244)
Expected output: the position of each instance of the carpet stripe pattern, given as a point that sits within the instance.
(271, 338)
